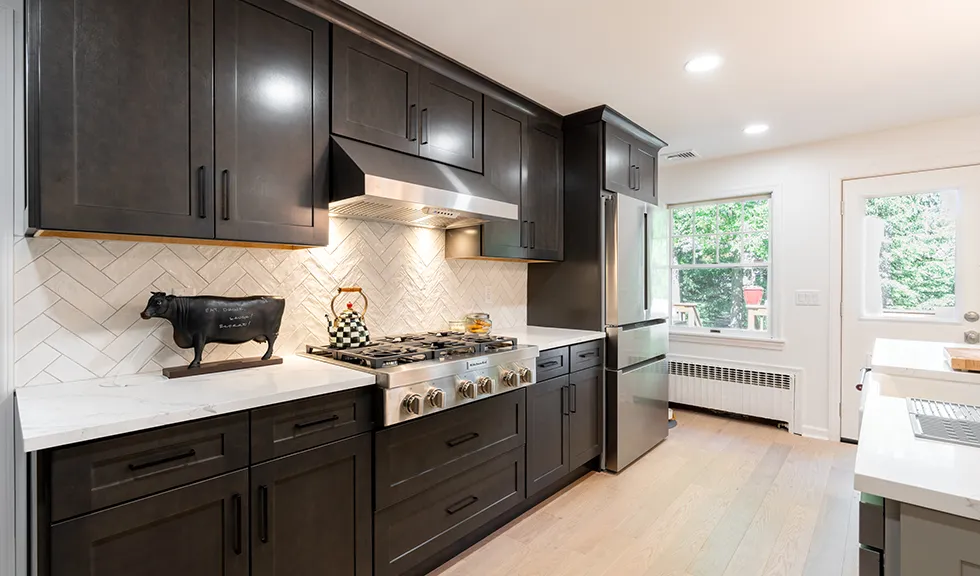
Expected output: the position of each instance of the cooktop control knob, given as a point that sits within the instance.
(436, 398)
(510, 378)
(467, 389)
(525, 375)
(413, 404)
(485, 384)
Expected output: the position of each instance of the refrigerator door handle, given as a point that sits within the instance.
(646, 261)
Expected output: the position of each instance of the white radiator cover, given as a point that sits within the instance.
(740, 388)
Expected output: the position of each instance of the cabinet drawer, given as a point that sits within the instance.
(102, 473)
(869, 562)
(415, 456)
(287, 428)
(413, 530)
(585, 355)
(871, 524)
(551, 363)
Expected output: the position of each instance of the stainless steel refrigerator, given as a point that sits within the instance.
(636, 309)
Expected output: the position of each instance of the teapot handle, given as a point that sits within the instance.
(342, 290)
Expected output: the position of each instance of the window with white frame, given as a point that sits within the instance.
(721, 266)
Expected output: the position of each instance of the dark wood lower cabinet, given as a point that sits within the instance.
(547, 433)
(311, 512)
(198, 530)
(585, 419)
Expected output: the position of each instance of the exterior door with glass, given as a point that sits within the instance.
(911, 267)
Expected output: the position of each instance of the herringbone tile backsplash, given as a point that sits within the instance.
(77, 302)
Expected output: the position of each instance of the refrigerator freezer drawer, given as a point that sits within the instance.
(629, 345)
(636, 402)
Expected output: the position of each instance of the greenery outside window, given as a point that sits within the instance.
(721, 267)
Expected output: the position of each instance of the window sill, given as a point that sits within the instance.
(728, 340)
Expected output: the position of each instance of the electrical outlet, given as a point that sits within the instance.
(807, 297)
(487, 295)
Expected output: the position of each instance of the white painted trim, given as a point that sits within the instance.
(700, 337)
(834, 300)
(816, 432)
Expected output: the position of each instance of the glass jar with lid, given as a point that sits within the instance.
(478, 323)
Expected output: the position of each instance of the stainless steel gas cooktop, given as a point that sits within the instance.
(429, 372)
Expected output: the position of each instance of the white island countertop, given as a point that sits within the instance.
(548, 338)
(894, 464)
(58, 414)
(918, 359)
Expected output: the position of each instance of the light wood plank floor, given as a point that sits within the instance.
(721, 497)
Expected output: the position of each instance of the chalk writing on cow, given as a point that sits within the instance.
(199, 320)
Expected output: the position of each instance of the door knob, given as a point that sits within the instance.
(971, 316)
(971, 337)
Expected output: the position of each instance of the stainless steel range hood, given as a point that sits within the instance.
(372, 183)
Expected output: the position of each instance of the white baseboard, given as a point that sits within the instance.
(815, 432)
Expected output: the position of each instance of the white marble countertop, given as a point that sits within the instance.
(548, 338)
(893, 463)
(58, 414)
(918, 359)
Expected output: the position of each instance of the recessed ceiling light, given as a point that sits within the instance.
(703, 63)
(753, 129)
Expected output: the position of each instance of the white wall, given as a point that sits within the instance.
(806, 255)
(11, 182)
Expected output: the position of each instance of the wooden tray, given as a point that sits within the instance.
(963, 359)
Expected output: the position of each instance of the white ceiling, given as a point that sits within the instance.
(811, 69)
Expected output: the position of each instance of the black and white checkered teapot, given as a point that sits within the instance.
(348, 330)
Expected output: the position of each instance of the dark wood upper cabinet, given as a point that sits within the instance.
(505, 156)
(311, 512)
(544, 193)
(585, 415)
(645, 160)
(124, 116)
(618, 162)
(272, 73)
(198, 530)
(375, 93)
(450, 121)
(547, 433)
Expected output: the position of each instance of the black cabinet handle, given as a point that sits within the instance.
(564, 400)
(157, 461)
(462, 439)
(302, 425)
(549, 364)
(639, 174)
(629, 178)
(468, 501)
(573, 403)
(225, 177)
(236, 501)
(202, 192)
(425, 126)
(587, 354)
(263, 514)
(523, 236)
(531, 233)
(413, 128)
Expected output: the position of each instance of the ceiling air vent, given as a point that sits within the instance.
(682, 155)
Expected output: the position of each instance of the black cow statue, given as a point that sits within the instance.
(198, 320)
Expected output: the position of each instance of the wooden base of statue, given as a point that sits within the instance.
(220, 366)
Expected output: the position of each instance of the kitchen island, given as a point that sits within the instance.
(920, 508)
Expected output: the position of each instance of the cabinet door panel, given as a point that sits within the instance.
(585, 415)
(272, 71)
(125, 116)
(547, 433)
(375, 93)
(311, 512)
(198, 530)
(645, 160)
(451, 122)
(505, 155)
(544, 193)
(618, 164)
